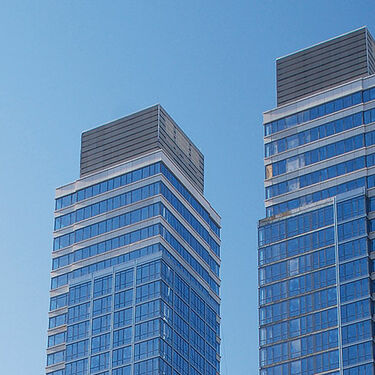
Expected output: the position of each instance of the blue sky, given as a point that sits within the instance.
(68, 66)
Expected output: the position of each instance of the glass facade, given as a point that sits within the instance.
(315, 246)
(135, 275)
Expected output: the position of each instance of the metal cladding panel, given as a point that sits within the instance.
(323, 66)
(371, 53)
(136, 135)
(181, 150)
(119, 141)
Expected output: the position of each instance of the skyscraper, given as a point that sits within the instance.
(136, 256)
(316, 242)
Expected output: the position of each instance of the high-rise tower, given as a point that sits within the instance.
(136, 256)
(316, 243)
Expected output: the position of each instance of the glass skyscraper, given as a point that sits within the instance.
(316, 243)
(136, 256)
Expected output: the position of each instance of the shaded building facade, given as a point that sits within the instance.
(136, 256)
(316, 241)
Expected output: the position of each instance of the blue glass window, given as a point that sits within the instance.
(352, 229)
(315, 177)
(122, 318)
(121, 356)
(316, 155)
(313, 134)
(182, 288)
(181, 345)
(151, 348)
(107, 205)
(210, 317)
(357, 332)
(351, 208)
(148, 291)
(125, 370)
(355, 290)
(197, 341)
(180, 363)
(77, 350)
(100, 343)
(102, 305)
(369, 94)
(357, 353)
(197, 360)
(79, 312)
(58, 301)
(185, 213)
(123, 299)
(296, 246)
(106, 226)
(180, 326)
(102, 286)
(313, 113)
(147, 329)
(296, 286)
(366, 369)
(211, 337)
(105, 186)
(56, 339)
(210, 354)
(101, 324)
(297, 306)
(126, 239)
(79, 293)
(77, 331)
(153, 290)
(197, 323)
(77, 367)
(132, 177)
(295, 266)
(298, 326)
(181, 307)
(197, 303)
(353, 249)
(122, 337)
(355, 310)
(147, 310)
(299, 347)
(99, 362)
(295, 225)
(57, 321)
(319, 195)
(57, 372)
(152, 366)
(148, 272)
(354, 269)
(193, 202)
(124, 279)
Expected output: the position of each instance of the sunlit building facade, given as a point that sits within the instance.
(316, 242)
(136, 256)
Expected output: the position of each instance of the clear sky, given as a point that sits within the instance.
(68, 66)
